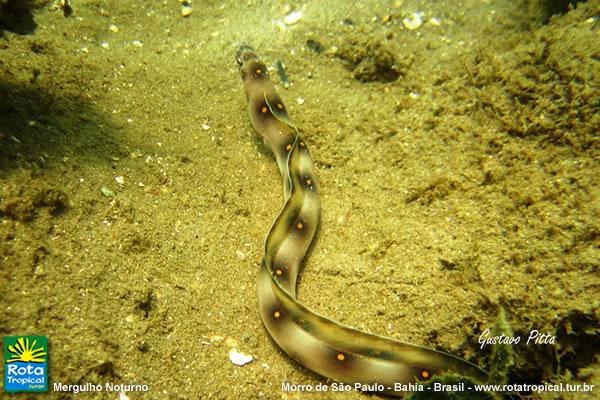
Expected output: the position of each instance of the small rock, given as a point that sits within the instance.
(107, 192)
(136, 154)
(186, 8)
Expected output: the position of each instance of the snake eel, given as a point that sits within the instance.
(329, 348)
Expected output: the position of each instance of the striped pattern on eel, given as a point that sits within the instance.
(324, 346)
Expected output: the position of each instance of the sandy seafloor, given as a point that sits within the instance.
(458, 166)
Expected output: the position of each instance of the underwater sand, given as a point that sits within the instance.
(458, 168)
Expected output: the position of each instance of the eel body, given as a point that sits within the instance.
(322, 345)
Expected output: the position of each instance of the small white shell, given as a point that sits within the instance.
(435, 21)
(238, 358)
(413, 21)
(186, 8)
(293, 17)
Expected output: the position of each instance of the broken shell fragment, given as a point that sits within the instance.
(413, 21)
(238, 358)
(186, 8)
(293, 17)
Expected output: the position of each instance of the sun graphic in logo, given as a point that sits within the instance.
(26, 352)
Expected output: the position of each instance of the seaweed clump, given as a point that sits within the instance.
(545, 9)
(545, 87)
(502, 355)
(26, 206)
(370, 60)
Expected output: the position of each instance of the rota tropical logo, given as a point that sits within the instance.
(25, 364)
